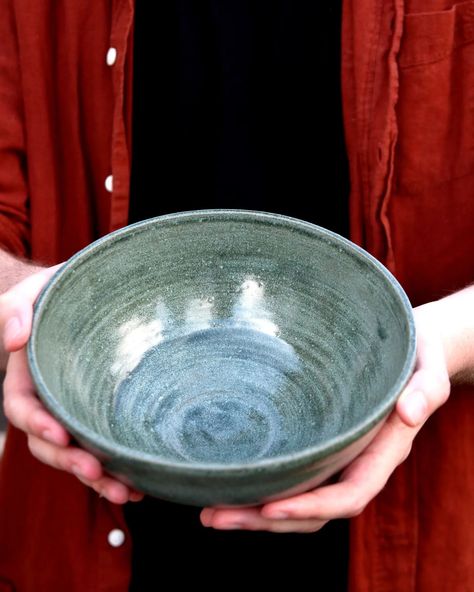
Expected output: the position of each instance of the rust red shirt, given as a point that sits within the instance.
(65, 133)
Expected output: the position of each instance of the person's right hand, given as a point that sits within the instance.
(48, 441)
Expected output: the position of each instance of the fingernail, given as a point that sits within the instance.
(279, 515)
(76, 469)
(416, 407)
(49, 436)
(12, 328)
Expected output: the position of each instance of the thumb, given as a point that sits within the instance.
(429, 386)
(16, 308)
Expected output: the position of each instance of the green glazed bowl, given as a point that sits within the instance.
(222, 357)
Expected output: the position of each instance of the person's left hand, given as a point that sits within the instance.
(366, 476)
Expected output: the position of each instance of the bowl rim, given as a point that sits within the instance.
(112, 449)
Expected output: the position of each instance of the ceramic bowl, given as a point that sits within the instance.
(222, 357)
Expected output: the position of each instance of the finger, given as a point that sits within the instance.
(251, 519)
(206, 516)
(85, 467)
(16, 308)
(223, 517)
(429, 386)
(113, 490)
(22, 407)
(135, 495)
(360, 482)
(70, 458)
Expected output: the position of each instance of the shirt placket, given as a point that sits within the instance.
(113, 542)
(114, 548)
(119, 58)
(384, 538)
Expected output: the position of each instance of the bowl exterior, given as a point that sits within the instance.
(240, 487)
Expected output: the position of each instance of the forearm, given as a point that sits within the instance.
(13, 270)
(455, 318)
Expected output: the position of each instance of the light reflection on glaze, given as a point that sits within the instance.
(198, 315)
(136, 338)
(250, 309)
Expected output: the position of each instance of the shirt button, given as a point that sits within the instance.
(111, 56)
(116, 537)
(109, 183)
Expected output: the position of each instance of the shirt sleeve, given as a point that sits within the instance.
(14, 206)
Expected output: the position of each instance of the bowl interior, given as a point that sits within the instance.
(220, 338)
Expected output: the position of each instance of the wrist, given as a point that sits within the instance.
(453, 317)
(14, 270)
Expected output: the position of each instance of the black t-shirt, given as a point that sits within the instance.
(236, 104)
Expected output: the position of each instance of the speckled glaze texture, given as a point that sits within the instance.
(222, 357)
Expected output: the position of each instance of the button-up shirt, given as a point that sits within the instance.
(65, 123)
